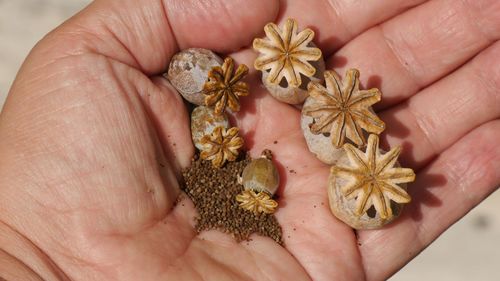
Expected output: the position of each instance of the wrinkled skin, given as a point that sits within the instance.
(93, 140)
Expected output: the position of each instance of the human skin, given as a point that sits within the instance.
(93, 139)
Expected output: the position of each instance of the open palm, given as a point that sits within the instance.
(92, 141)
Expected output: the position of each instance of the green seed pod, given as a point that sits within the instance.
(261, 175)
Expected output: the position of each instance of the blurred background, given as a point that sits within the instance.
(469, 250)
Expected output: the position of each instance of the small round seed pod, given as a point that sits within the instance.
(260, 175)
(290, 94)
(288, 60)
(366, 190)
(188, 72)
(320, 145)
(260, 179)
(344, 208)
(204, 121)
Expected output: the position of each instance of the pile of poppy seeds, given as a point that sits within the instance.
(213, 192)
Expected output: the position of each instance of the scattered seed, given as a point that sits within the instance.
(213, 193)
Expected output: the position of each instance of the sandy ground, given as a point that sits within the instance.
(469, 250)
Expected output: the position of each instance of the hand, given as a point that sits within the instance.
(93, 139)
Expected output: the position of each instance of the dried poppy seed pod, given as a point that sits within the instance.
(188, 72)
(366, 190)
(221, 145)
(204, 121)
(342, 109)
(260, 178)
(224, 87)
(284, 92)
(288, 61)
(320, 145)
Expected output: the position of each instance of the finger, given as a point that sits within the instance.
(444, 192)
(432, 120)
(336, 22)
(420, 46)
(219, 25)
(145, 34)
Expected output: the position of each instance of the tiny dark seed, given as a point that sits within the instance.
(213, 193)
